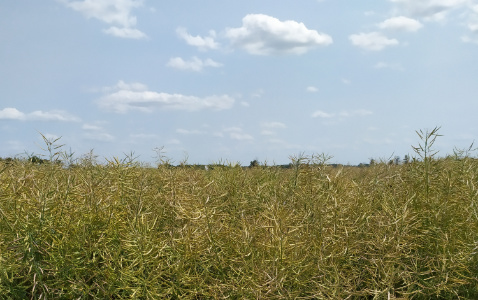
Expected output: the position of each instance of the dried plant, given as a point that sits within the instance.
(121, 230)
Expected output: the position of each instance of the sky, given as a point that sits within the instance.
(235, 81)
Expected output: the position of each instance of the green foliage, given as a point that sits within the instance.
(313, 231)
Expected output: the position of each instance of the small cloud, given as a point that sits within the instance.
(269, 128)
(123, 98)
(430, 10)
(245, 104)
(346, 81)
(240, 136)
(127, 33)
(373, 41)
(391, 66)
(258, 94)
(55, 115)
(189, 132)
(173, 142)
(121, 85)
(145, 136)
(401, 23)
(202, 43)
(195, 64)
(116, 13)
(92, 127)
(322, 114)
(268, 132)
(96, 133)
(265, 35)
(274, 125)
(312, 89)
(361, 112)
(343, 114)
(10, 113)
(282, 144)
(236, 133)
(99, 136)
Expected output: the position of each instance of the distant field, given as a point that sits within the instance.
(309, 232)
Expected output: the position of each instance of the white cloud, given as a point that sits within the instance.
(147, 136)
(472, 25)
(96, 133)
(236, 133)
(126, 98)
(268, 132)
(281, 144)
(240, 136)
(274, 125)
(189, 132)
(202, 43)
(343, 114)
(10, 113)
(312, 89)
(195, 64)
(401, 23)
(391, 66)
(121, 85)
(128, 33)
(373, 41)
(346, 81)
(268, 128)
(99, 136)
(87, 126)
(55, 115)
(322, 114)
(359, 112)
(116, 13)
(264, 35)
(432, 10)
(173, 142)
(258, 94)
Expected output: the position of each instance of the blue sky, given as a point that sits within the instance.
(238, 80)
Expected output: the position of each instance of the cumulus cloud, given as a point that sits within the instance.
(195, 64)
(264, 35)
(11, 113)
(374, 41)
(401, 23)
(343, 114)
(116, 13)
(124, 97)
(202, 43)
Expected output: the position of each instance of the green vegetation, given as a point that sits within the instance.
(312, 231)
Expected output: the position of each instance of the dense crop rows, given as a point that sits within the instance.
(125, 231)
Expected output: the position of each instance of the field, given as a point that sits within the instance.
(124, 231)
